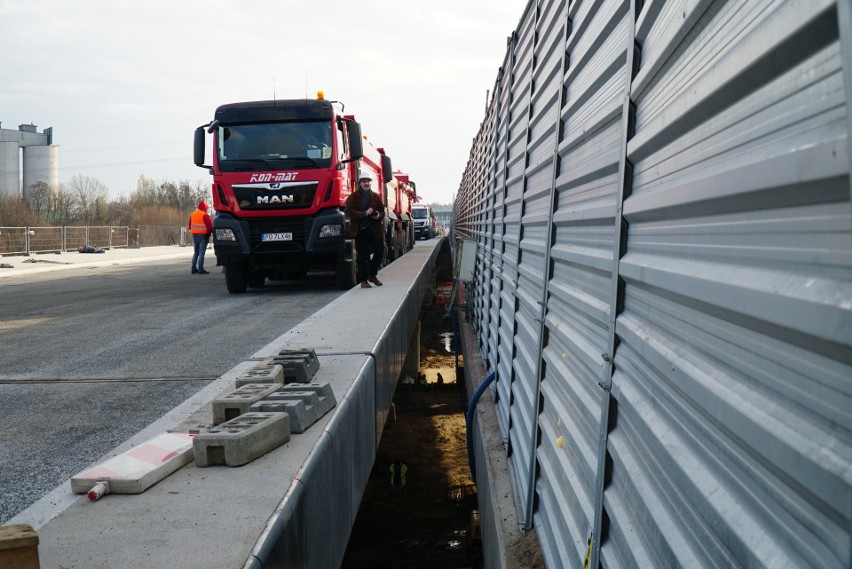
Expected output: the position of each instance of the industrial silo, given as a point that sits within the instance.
(41, 164)
(40, 159)
(10, 173)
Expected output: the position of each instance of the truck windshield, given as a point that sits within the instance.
(418, 213)
(275, 146)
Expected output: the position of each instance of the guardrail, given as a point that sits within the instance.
(30, 240)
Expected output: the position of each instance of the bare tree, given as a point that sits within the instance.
(145, 194)
(63, 206)
(39, 198)
(14, 212)
(121, 212)
(87, 192)
(85, 200)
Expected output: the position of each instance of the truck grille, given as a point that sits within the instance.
(261, 197)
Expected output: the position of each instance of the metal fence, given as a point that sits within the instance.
(660, 192)
(30, 240)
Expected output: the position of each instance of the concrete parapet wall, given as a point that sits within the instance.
(291, 507)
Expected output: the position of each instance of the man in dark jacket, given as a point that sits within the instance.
(201, 226)
(365, 212)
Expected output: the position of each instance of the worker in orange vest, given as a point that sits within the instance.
(201, 227)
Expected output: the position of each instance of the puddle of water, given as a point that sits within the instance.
(447, 338)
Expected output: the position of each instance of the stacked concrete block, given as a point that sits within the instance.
(234, 403)
(241, 440)
(300, 418)
(300, 366)
(323, 392)
(305, 403)
(262, 373)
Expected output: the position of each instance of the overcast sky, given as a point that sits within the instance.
(124, 84)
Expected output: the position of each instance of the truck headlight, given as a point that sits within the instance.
(330, 230)
(225, 235)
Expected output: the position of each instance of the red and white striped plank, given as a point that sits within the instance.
(137, 469)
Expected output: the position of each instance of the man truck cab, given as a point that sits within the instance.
(424, 221)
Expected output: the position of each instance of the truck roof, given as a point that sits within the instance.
(260, 111)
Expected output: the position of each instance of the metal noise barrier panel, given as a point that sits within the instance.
(660, 192)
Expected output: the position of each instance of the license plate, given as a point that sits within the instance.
(276, 237)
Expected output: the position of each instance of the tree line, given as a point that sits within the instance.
(86, 201)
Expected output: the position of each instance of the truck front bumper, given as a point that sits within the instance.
(243, 240)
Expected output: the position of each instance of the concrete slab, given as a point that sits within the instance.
(262, 373)
(18, 265)
(241, 440)
(305, 403)
(299, 365)
(300, 419)
(234, 403)
(323, 390)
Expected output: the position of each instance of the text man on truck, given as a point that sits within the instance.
(281, 173)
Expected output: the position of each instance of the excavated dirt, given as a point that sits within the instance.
(432, 524)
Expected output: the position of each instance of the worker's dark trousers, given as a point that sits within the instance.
(366, 244)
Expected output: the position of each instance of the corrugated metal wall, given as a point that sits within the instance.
(661, 196)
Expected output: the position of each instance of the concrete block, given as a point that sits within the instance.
(234, 403)
(299, 365)
(262, 373)
(300, 419)
(241, 440)
(323, 391)
(305, 403)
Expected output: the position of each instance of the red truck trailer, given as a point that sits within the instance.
(281, 173)
(401, 195)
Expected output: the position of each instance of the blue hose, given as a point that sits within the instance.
(468, 419)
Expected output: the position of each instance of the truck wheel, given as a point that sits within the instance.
(346, 273)
(235, 278)
(391, 245)
(398, 249)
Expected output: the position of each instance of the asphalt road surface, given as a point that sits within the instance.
(90, 356)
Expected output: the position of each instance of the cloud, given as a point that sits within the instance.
(119, 74)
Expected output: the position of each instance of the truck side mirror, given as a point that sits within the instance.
(198, 148)
(356, 149)
(387, 171)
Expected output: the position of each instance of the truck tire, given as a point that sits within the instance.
(398, 248)
(391, 244)
(235, 278)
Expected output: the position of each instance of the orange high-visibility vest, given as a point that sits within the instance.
(196, 222)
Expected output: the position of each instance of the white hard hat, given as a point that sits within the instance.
(364, 174)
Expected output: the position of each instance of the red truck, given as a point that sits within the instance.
(281, 173)
(401, 195)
